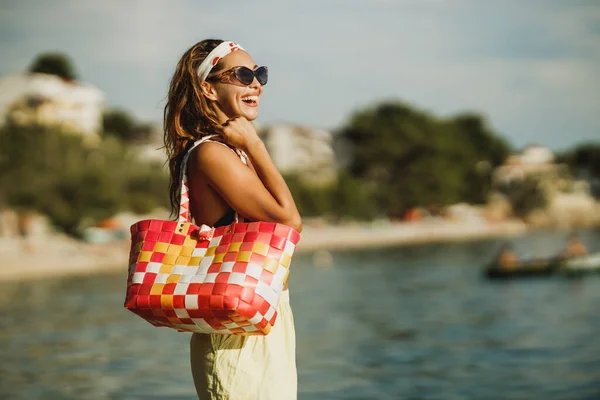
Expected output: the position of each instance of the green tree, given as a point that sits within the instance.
(524, 196)
(477, 150)
(584, 158)
(311, 201)
(584, 163)
(54, 64)
(147, 188)
(353, 198)
(122, 125)
(412, 158)
(347, 197)
(73, 183)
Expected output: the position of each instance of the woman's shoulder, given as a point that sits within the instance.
(210, 149)
(214, 156)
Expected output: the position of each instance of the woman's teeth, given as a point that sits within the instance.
(250, 99)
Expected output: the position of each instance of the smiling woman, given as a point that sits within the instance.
(213, 98)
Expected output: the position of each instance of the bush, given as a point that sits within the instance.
(524, 196)
(347, 198)
(411, 158)
(73, 183)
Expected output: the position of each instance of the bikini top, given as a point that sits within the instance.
(226, 219)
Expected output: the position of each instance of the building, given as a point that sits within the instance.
(533, 173)
(532, 162)
(300, 150)
(33, 98)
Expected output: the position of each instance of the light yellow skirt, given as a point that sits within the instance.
(229, 367)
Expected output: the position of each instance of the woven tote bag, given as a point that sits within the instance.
(225, 280)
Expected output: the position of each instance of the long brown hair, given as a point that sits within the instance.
(188, 114)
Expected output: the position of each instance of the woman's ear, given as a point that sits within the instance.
(208, 90)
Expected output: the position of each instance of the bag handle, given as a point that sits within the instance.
(184, 199)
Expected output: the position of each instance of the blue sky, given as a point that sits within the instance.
(532, 67)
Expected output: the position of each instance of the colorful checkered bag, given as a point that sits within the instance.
(225, 280)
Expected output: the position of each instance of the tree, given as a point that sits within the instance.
(415, 159)
(478, 150)
(584, 162)
(74, 184)
(524, 196)
(584, 158)
(347, 197)
(121, 124)
(54, 64)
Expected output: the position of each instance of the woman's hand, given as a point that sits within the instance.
(238, 132)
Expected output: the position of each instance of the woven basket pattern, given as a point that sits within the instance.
(224, 280)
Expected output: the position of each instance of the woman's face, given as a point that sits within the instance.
(232, 97)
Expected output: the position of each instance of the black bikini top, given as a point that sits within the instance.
(226, 219)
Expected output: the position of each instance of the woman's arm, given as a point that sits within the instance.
(260, 196)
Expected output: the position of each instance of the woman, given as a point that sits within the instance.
(216, 90)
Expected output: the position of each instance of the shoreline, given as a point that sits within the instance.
(404, 234)
(61, 256)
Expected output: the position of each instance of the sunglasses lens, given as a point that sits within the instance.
(245, 75)
(262, 75)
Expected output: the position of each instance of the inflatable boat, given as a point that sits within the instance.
(543, 267)
(582, 265)
(535, 267)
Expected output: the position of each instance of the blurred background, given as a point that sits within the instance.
(444, 155)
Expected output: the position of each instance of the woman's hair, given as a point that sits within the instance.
(188, 114)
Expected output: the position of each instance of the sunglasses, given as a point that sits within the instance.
(244, 75)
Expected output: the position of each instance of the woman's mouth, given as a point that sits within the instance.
(251, 101)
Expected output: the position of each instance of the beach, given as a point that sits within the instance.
(59, 255)
(409, 233)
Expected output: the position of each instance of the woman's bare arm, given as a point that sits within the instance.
(260, 196)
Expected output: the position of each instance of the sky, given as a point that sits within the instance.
(531, 67)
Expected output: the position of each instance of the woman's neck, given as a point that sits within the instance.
(221, 116)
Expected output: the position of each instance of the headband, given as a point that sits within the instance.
(214, 56)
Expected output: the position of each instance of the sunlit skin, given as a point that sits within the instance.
(574, 248)
(228, 95)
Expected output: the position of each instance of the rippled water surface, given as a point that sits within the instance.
(405, 323)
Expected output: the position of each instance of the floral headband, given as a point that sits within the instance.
(214, 56)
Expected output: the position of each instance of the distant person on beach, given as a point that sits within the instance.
(507, 258)
(575, 248)
(216, 90)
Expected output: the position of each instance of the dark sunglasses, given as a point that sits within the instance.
(244, 75)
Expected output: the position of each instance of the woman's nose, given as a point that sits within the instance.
(255, 84)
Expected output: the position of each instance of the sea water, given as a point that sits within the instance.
(416, 322)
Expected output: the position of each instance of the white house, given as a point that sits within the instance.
(533, 160)
(51, 100)
(302, 150)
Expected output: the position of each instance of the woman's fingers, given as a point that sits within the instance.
(218, 129)
(237, 131)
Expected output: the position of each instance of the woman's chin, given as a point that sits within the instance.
(250, 115)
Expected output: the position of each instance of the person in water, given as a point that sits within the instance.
(507, 258)
(216, 90)
(574, 248)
